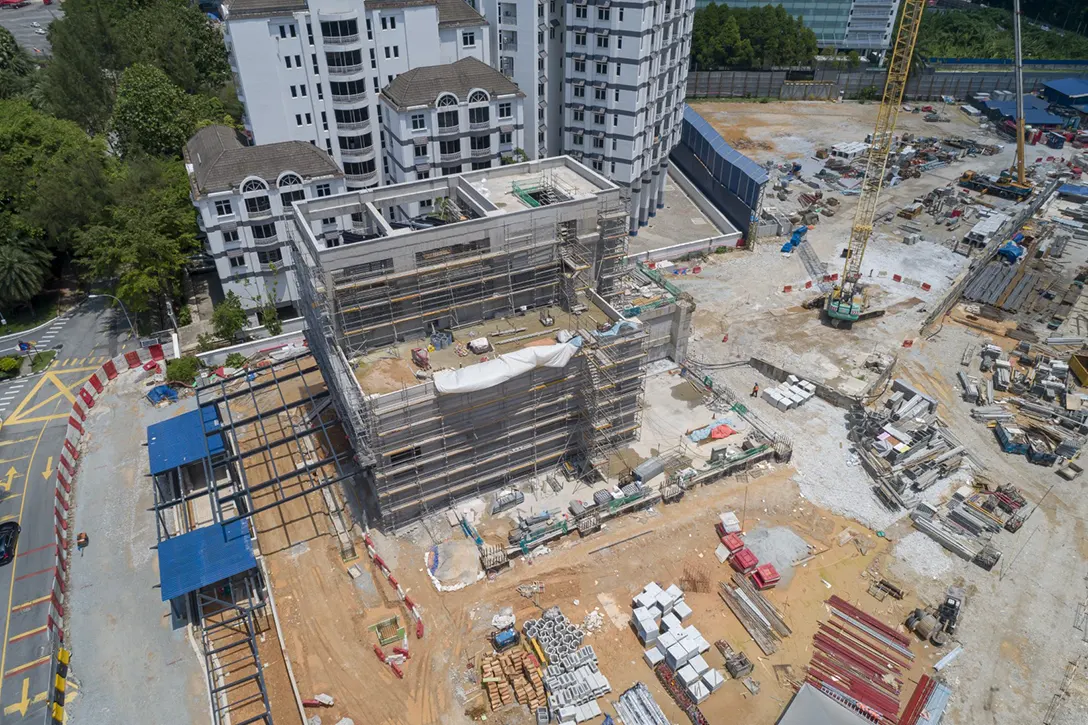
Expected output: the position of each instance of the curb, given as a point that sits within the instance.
(21, 333)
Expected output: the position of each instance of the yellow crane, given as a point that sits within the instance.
(846, 301)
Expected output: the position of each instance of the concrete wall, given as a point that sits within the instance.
(215, 358)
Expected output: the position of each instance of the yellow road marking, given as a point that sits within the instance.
(21, 440)
(23, 668)
(5, 484)
(12, 460)
(11, 582)
(25, 701)
(23, 412)
(48, 469)
(30, 633)
(31, 603)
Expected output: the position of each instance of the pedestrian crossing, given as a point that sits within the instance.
(81, 362)
(10, 394)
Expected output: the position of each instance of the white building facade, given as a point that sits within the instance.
(311, 70)
(243, 196)
(442, 120)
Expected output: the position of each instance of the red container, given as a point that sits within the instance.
(765, 576)
(733, 543)
(744, 560)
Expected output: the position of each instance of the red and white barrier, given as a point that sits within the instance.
(384, 568)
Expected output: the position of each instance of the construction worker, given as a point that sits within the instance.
(755, 390)
(81, 542)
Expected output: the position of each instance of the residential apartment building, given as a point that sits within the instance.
(311, 70)
(604, 83)
(505, 339)
(445, 119)
(243, 196)
(861, 25)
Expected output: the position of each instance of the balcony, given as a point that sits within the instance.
(451, 156)
(353, 125)
(344, 70)
(508, 18)
(266, 241)
(262, 214)
(231, 246)
(356, 154)
(341, 39)
(352, 98)
(476, 153)
(449, 130)
(479, 125)
(362, 179)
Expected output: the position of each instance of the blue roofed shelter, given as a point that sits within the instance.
(204, 556)
(183, 440)
(1067, 91)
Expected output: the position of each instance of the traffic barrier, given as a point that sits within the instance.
(63, 503)
(72, 450)
(96, 383)
(75, 424)
(61, 520)
(78, 410)
(897, 278)
(156, 353)
(87, 398)
(133, 359)
(63, 481)
(67, 466)
(808, 285)
(110, 369)
(927, 286)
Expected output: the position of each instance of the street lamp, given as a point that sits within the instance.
(130, 327)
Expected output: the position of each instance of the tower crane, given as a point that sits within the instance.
(1019, 56)
(846, 301)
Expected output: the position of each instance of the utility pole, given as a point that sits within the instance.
(1019, 93)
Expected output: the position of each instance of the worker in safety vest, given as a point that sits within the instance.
(755, 390)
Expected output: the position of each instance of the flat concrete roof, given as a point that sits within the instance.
(680, 221)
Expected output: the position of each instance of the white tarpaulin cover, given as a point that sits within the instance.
(505, 367)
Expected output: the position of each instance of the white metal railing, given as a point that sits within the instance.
(353, 125)
(450, 156)
(479, 125)
(481, 152)
(345, 69)
(350, 98)
(265, 241)
(341, 39)
(365, 179)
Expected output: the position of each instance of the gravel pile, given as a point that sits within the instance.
(923, 555)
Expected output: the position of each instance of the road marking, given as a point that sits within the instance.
(27, 666)
(21, 440)
(14, 566)
(48, 468)
(25, 701)
(64, 390)
(31, 603)
(5, 484)
(35, 573)
(30, 633)
(43, 547)
(12, 460)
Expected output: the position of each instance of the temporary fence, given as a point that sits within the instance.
(409, 603)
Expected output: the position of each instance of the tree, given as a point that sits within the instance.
(22, 271)
(149, 234)
(228, 317)
(154, 116)
(725, 37)
(16, 66)
(853, 59)
(270, 318)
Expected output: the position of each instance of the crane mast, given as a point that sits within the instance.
(1019, 94)
(846, 301)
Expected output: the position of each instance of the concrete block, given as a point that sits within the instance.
(729, 522)
(713, 680)
(675, 592)
(681, 610)
(653, 657)
(676, 656)
(594, 709)
(687, 675)
(668, 639)
(670, 622)
(703, 645)
(691, 631)
(664, 602)
(792, 379)
(698, 691)
(653, 589)
(698, 664)
(648, 638)
(722, 553)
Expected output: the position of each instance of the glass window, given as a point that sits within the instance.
(258, 205)
(602, 41)
(448, 119)
(270, 256)
(420, 151)
(419, 122)
(236, 262)
(230, 237)
(505, 110)
(223, 208)
(324, 190)
(264, 231)
(579, 38)
(468, 39)
(287, 198)
(576, 139)
(603, 14)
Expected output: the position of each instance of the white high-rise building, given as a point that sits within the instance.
(311, 70)
(604, 83)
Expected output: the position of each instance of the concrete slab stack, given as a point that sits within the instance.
(792, 393)
(574, 683)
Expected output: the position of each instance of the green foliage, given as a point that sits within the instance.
(725, 37)
(206, 342)
(987, 33)
(40, 360)
(154, 116)
(16, 66)
(235, 360)
(853, 59)
(9, 366)
(270, 318)
(22, 273)
(185, 315)
(868, 93)
(53, 178)
(182, 370)
(147, 237)
(228, 318)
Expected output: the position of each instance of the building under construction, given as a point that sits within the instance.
(477, 329)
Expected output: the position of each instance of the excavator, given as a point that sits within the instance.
(846, 303)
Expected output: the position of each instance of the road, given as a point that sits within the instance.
(35, 412)
(20, 22)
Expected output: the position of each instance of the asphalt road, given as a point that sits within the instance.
(20, 22)
(35, 412)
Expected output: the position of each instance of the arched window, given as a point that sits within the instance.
(447, 99)
(254, 185)
(478, 97)
(290, 180)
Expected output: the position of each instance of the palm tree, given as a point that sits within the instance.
(23, 266)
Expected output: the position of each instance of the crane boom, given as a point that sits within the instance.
(1019, 56)
(845, 302)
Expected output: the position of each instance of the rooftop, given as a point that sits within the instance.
(1072, 87)
(388, 369)
(422, 86)
(811, 707)
(207, 555)
(457, 14)
(182, 440)
(218, 160)
(261, 8)
(1035, 113)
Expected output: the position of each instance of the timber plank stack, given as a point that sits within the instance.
(512, 677)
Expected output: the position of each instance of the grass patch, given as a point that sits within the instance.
(40, 361)
(44, 309)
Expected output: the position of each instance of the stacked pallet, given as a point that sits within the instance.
(512, 677)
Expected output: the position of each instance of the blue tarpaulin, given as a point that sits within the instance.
(180, 440)
(1075, 190)
(162, 392)
(204, 556)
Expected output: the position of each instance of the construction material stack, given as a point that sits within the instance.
(574, 683)
(791, 394)
(512, 677)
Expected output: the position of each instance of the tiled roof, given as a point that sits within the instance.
(458, 13)
(262, 8)
(220, 161)
(422, 86)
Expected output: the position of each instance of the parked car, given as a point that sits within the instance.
(9, 541)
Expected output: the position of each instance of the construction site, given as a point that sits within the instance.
(510, 474)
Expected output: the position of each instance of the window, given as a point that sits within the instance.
(389, 79)
(324, 121)
(289, 197)
(329, 221)
(579, 91)
(615, 119)
(323, 190)
(619, 41)
(313, 60)
(602, 41)
(310, 33)
(477, 165)
(468, 39)
(369, 30)
(420, 151)
(604, 14)
(356, 143)
(283, 31)
(236, 262)
(448, 119)
(480, 143)
(580, 12)
(385, 23)
(578, 116)
(613, 144)
(308, 119)
(298, 119)
(379, 121)
(618, 69)
(258, 205)
(292, 31)
(506, 110)
(598, 143)
(348, 88)
(376, 88)
(419, 122)
(272, 256)
(597, 165)
(613, 167)
(423, 175)
(506, 138)
(579, 38)
(223, 208)
(576, 139)
(598, 118)
(396, 53)
(302, 91)
(264, 231)
(294, 92)
(579, 66)
(450, 147)
(298, 61)
(478, 97)
(388, 52)
(373, 59)
(230, 237)
(360, 168)
(287, 61)
(621, 15)
(289, 180)
(479, 115)
(451, 170)
(602, 69)
(616, 96)
(320, 93)
(599, 94)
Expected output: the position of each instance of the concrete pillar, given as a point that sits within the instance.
(632, 211)
(645, 200)
(680, 330)
(655, 185)
(664, 181)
